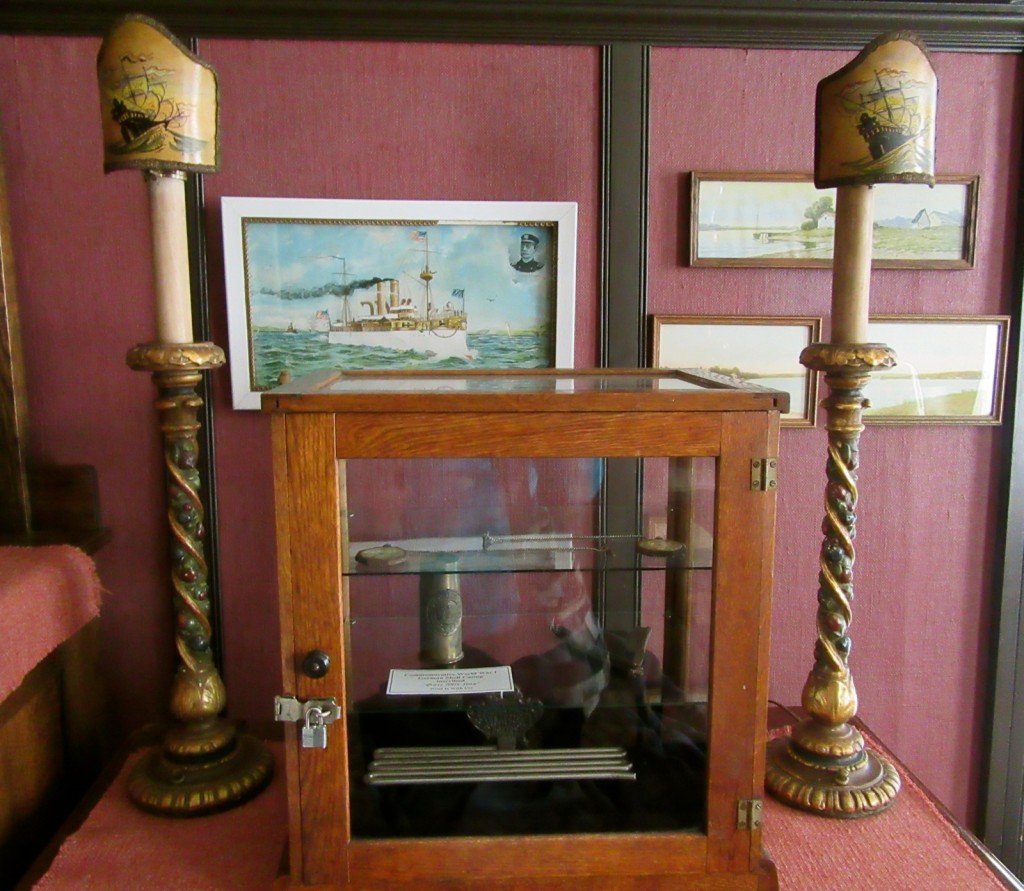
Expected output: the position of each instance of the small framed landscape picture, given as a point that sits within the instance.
(343, 284)
(762, 350)
(949, 370)
(781, 219)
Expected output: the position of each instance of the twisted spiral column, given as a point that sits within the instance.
(204, 765)
(823, 766)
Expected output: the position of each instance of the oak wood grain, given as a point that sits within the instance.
(529, 434)
(310, 451)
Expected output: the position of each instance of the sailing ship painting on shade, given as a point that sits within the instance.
(325, 284)
(783, 220)
(158, 100)
(886, 107)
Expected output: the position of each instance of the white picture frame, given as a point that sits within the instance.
(337, 283)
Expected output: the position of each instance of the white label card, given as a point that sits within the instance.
(449, 681)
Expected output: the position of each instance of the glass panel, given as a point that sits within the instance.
(486, 692)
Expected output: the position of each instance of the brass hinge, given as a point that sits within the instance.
(762, 474)
(748, 813)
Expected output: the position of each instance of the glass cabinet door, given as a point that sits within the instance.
(520, 659)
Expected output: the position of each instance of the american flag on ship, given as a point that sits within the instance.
(459, 292)
(419, 235)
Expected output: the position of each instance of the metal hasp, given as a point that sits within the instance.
(315, 715)
(292, 710)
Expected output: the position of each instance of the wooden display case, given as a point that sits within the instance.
(540, 602)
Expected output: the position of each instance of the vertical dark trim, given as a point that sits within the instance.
(625, 83)
(1003, 786)
(195, 204)
(625, 99)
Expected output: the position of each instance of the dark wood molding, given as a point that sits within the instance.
(195, 197)
(15, 502)
(1003, 784)
(846, 24)
(625, 100)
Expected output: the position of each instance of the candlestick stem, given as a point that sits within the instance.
(851, 265)
(204, 764)
(823, 766)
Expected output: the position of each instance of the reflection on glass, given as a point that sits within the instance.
(476, 563)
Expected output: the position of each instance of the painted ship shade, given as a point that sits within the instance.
(875, 117)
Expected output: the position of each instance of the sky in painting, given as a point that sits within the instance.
(762, 349)
(933, 347)
(782, 204)
(286, 258)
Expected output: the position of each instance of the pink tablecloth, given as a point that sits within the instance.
(120, 847)
(46, 595)
(909, 847)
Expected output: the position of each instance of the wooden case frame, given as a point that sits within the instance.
(314, 431)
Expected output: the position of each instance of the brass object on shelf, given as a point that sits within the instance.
(440, 617)
(658, 547)
(383, 556)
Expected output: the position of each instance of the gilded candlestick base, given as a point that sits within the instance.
(171, 783)
(853, 785)
(204, 765)
(823, 766)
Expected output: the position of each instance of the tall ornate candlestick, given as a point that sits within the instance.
(159, 111)
(875, 123)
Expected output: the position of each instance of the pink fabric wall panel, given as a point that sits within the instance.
(386, 121)
(927, 513)
(82, 255)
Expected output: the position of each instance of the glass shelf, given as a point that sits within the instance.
(406, 558)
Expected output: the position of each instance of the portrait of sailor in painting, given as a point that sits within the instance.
(528, 261)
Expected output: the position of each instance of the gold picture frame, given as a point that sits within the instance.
(781, 219)
(763, 350)
(950, 369)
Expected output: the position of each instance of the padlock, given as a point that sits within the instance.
(314, 731)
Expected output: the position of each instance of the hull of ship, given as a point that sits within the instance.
(437, 344)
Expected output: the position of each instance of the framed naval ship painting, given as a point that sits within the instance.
(356, 284)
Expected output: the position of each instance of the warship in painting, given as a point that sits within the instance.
(393, 322)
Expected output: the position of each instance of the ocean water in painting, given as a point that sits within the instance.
(302, 352)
